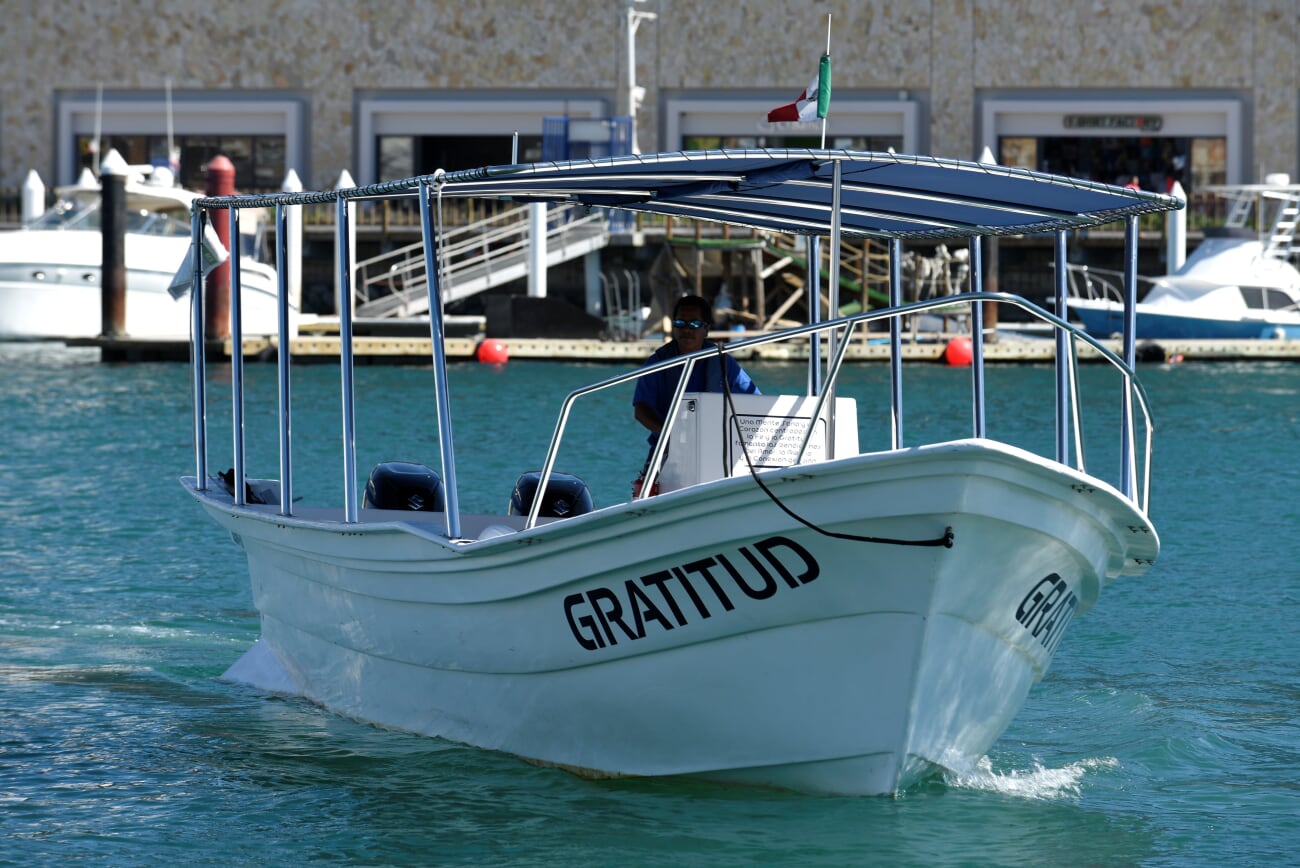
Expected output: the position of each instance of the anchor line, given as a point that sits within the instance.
(946, 540)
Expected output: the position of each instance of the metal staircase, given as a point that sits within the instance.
(1278, 208)
(1281, 238)
(476, 257)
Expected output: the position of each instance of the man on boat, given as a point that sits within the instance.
(692, 318)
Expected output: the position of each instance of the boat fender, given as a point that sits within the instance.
(493, 531)
(566, 495)
(403, 485)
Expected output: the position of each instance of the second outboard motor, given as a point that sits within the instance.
(402, 485)
(566, 495)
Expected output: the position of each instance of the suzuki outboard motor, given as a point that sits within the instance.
(401, 485)
(565, 497)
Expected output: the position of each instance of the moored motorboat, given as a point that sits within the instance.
(1238, 284)
(788, 610)
(50, 278)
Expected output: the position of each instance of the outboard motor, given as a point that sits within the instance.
(401, 485)
(565, 497)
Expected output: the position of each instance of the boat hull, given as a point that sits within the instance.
(50, 288)
(702, 632)
(1106, 319)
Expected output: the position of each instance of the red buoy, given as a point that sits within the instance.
(958, 353)
(492, 352)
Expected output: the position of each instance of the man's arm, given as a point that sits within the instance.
(649, 418)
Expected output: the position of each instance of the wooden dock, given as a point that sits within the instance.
(413, 350)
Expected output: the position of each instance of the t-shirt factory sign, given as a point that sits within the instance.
(1142, 123)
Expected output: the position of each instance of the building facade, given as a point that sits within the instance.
(1199, 91)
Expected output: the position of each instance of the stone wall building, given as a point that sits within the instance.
(1202, 90)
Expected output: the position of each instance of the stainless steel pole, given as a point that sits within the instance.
(977, 335)
(198, 351)
(814, 314)
(441, 396)
(1128, 481)
(1063, 357)
(896, 343)
(347, 387)
(236, 361)
(282, 356)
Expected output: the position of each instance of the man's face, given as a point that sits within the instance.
(690, 338)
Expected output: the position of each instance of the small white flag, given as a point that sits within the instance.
(214, 253)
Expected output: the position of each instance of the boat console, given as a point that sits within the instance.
(716, 436)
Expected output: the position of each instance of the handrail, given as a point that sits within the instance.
(1108, 282)
(1133, 386)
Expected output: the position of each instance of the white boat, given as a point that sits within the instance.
(50, 274)
(1237, 284)
(788, 611)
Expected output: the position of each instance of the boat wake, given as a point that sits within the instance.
(1047, 784)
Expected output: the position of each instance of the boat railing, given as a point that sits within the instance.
(1102, 284)
(841, 331)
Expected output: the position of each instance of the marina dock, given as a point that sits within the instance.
(413, 350)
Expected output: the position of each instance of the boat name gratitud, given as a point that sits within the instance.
(1046, 609)
(662, 596)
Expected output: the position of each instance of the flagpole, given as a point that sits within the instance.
(828, 54)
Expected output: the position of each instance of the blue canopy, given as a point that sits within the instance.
(882, 195)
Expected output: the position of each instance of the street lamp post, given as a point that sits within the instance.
(634, 94)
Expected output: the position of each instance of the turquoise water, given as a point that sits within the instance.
(1166, 732)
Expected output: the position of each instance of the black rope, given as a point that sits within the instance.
(945, 540)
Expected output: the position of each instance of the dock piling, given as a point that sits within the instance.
(112, 233)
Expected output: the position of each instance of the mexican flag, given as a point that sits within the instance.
(813, 103)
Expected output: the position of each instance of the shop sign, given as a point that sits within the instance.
(1142, 123)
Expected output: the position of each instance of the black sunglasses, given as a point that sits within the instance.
(688, 323)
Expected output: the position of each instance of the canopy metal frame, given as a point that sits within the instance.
(834, 193)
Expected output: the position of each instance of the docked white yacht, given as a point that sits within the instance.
(50, 274)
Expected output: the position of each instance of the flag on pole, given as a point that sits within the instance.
(813, 103)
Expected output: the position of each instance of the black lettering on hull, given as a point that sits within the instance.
(1046, 609)
(602, 617)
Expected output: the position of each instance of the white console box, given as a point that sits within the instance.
(705, 445)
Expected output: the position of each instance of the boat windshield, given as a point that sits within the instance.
(66, 214)
(85, 215)
(1270, 298)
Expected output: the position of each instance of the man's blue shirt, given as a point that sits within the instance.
(656, 390)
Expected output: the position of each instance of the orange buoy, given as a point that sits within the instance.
(492, 352)
(958, 353)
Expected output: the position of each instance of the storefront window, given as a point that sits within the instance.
(407, 156)
(1154, 162)
(1020, 152)
(259, 160)
(1209, 162)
